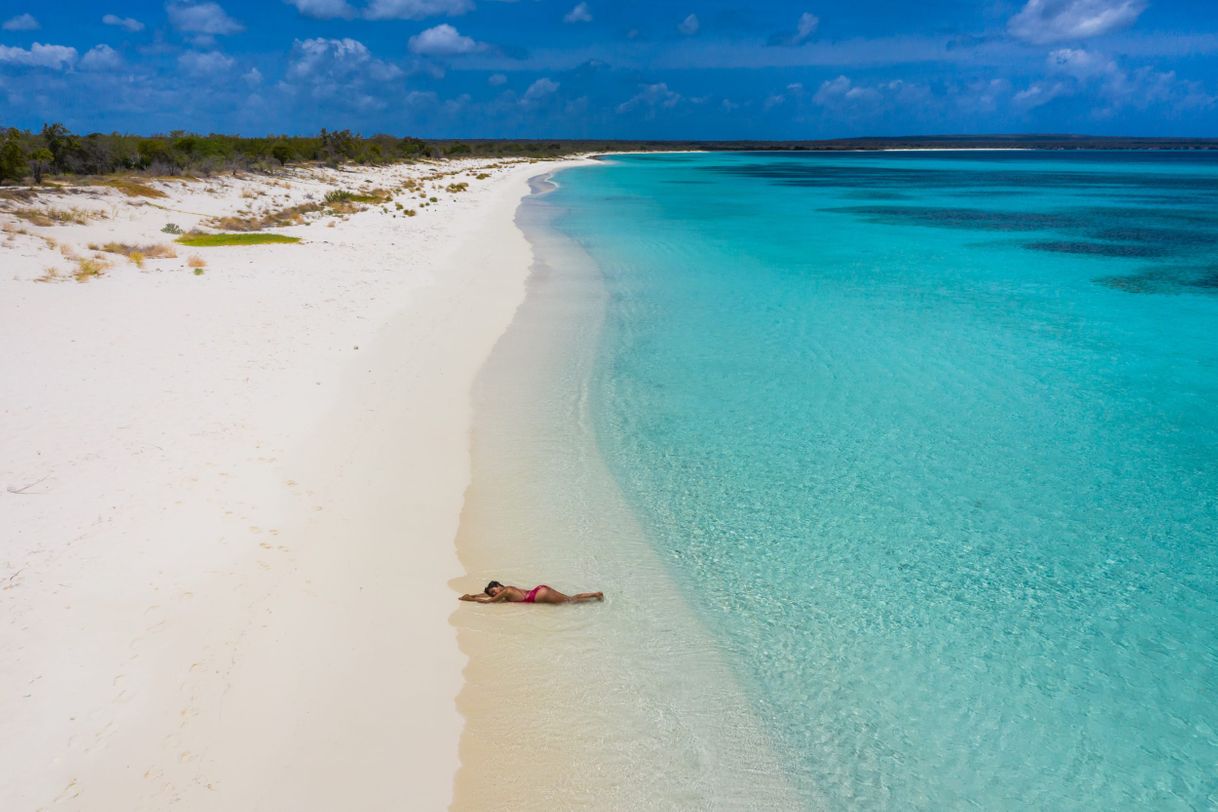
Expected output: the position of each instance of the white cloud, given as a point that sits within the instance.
(415, 9)
(539, 90)
(651, 97)
(982, 95)
(421, 98)
(201, 64)
(1056, 20)
(805, 26)
(1076, 71)
(842, 91)
(208, 19)
(252, 77)
(101, 57)
(496, 79)
(337, 60)
(22, 22)
(443, 40)
(129, 23)
(323, 9)
(38, 55)
(1039, 93)
(1080, 63)
(580, 14)
(689, 25)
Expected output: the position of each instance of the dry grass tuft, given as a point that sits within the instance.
(138, 253)
(133, 188)
(457, 187)
(291, 216)
(196, 262)
(88, 268)
(49, 275)
(59, 217)
(68, 252)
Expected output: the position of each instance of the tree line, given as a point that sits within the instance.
(55, 150)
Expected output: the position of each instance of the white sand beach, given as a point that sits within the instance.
(228, 498)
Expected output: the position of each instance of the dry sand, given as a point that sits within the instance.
(228, 500)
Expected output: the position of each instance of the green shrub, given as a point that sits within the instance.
(253, 238)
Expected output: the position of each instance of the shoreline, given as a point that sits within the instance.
(227, 583)
(623, 704)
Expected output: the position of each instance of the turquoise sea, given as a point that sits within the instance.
(929, 443)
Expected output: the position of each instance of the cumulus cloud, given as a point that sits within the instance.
(22, 22)
(580, 14)
(208, 19)
(38, 55)
(651, 97)
(1080, 64)
(841, 91)
(443, 40)
(252, 77)
(129, 23)
(336, 60)
(805, 27)
(689, 25)
(496, 79)
(323, 9)
(539, 90)
(198, 63)
(1075, 71)
(1043, 21)
(415, 9)
(101, 57)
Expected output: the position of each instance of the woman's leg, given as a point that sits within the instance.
(550, 595)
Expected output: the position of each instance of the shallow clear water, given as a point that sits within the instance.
(930, 444)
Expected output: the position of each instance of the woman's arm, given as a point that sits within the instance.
(502, 597)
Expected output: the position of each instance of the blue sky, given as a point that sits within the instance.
(624, 69)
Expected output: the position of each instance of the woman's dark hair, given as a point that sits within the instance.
(491, 586)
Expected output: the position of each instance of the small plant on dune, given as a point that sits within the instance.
(457, 187)
(410, 212)
(87, 268)
(196, 262)
(49, 275)
(433, 200)
(482, 176)
(198, 271)
(67, 251)
(137, 259)
(172, 228)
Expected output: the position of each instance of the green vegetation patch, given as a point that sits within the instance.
(213, 240)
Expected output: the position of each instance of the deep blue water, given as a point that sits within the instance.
(930, 442)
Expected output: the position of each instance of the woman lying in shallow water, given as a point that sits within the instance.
(496, 592)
